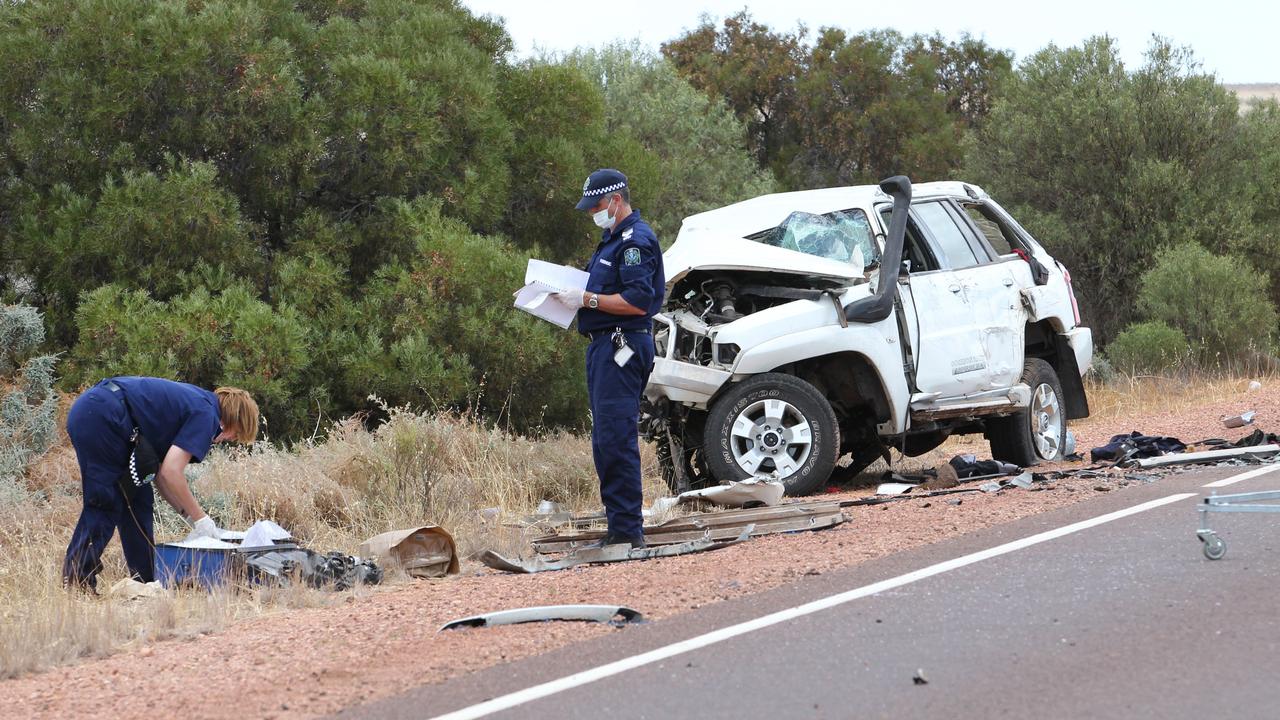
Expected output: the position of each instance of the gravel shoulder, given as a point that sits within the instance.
(382, 641)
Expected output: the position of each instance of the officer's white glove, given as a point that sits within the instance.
(204, 528)
(571, 299)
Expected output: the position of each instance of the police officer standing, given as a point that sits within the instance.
(624, 291)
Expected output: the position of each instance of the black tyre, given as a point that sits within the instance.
(773, 423)
(1038, 433)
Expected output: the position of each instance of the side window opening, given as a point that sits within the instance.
(951, 240)
(914, 247)
(1003, 239)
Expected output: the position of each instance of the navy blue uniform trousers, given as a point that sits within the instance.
(100, 429)
(615, 416)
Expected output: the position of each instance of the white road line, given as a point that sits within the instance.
(568, 682)
(1242, 476)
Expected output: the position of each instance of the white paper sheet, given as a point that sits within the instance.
(263, 533)
(542, 279)
(560, 277)
(893, 488)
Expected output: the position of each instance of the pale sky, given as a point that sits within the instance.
(1236, 40)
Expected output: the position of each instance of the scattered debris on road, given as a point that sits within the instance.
(1255, 452)
(616, 615)
(716, 526)
(750, 493)
(600, 555)
(1135, 445)
(919, 678)
(333, 570)
(1239, 421)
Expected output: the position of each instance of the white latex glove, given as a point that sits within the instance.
(204, 527)
(571, 299)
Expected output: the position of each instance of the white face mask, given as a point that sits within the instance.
(603, 219)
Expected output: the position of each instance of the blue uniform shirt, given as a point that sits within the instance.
(627, 262)
(173, 413)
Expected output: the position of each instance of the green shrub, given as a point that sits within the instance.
(28, 405)
(226, 337)
(1219, 303)
(1148, 347)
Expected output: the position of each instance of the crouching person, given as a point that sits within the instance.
(126, 428)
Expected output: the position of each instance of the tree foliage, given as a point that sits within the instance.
(28, 405)
(1150, 346)
(846, 108)
(1106, 166)
(1218, 302)
(684, 152)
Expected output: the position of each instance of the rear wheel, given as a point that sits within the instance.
(1038, 433)
(773, 423)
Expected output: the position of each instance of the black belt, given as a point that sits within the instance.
(597, 334)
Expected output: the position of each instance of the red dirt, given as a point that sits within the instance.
(304, 663)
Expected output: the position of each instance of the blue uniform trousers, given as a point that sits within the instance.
(615, 412)
(100, 430)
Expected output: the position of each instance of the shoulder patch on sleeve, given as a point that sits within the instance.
(631, 256)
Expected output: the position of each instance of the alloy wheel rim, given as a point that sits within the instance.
(1046, 421)
(771, 436)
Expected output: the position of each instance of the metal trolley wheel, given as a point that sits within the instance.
(1214, 546)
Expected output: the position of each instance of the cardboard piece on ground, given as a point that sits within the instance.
(424, 551)
(894, 488)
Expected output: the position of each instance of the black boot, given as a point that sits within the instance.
(611, 539)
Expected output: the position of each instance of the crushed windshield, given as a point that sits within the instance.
(844, 235)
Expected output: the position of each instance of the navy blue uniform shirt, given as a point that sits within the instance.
(173, 413)
(627, 262)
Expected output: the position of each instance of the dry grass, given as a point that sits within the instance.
(1153, 394)
(351, 484)
(332, 494)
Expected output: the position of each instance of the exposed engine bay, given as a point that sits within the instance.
(703, 300)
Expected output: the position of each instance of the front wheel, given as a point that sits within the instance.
(1038, 433)
(773, 423)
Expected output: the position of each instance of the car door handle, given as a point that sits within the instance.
(954, 288)
(1008, 282)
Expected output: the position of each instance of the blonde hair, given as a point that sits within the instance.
(239, 413)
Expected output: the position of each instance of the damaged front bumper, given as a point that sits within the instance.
(674, 377)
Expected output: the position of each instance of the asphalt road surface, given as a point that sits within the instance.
(1106, 609)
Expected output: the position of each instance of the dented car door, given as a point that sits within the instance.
(968, 309)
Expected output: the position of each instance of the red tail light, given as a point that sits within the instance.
(1071, 291)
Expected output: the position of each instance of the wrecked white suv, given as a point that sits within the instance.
(803, 328)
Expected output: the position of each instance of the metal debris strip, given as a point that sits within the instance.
(1239, 421)
(606, 554)
(616, 615)
(716, 526)
(1256, 452)
(1250, 502)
